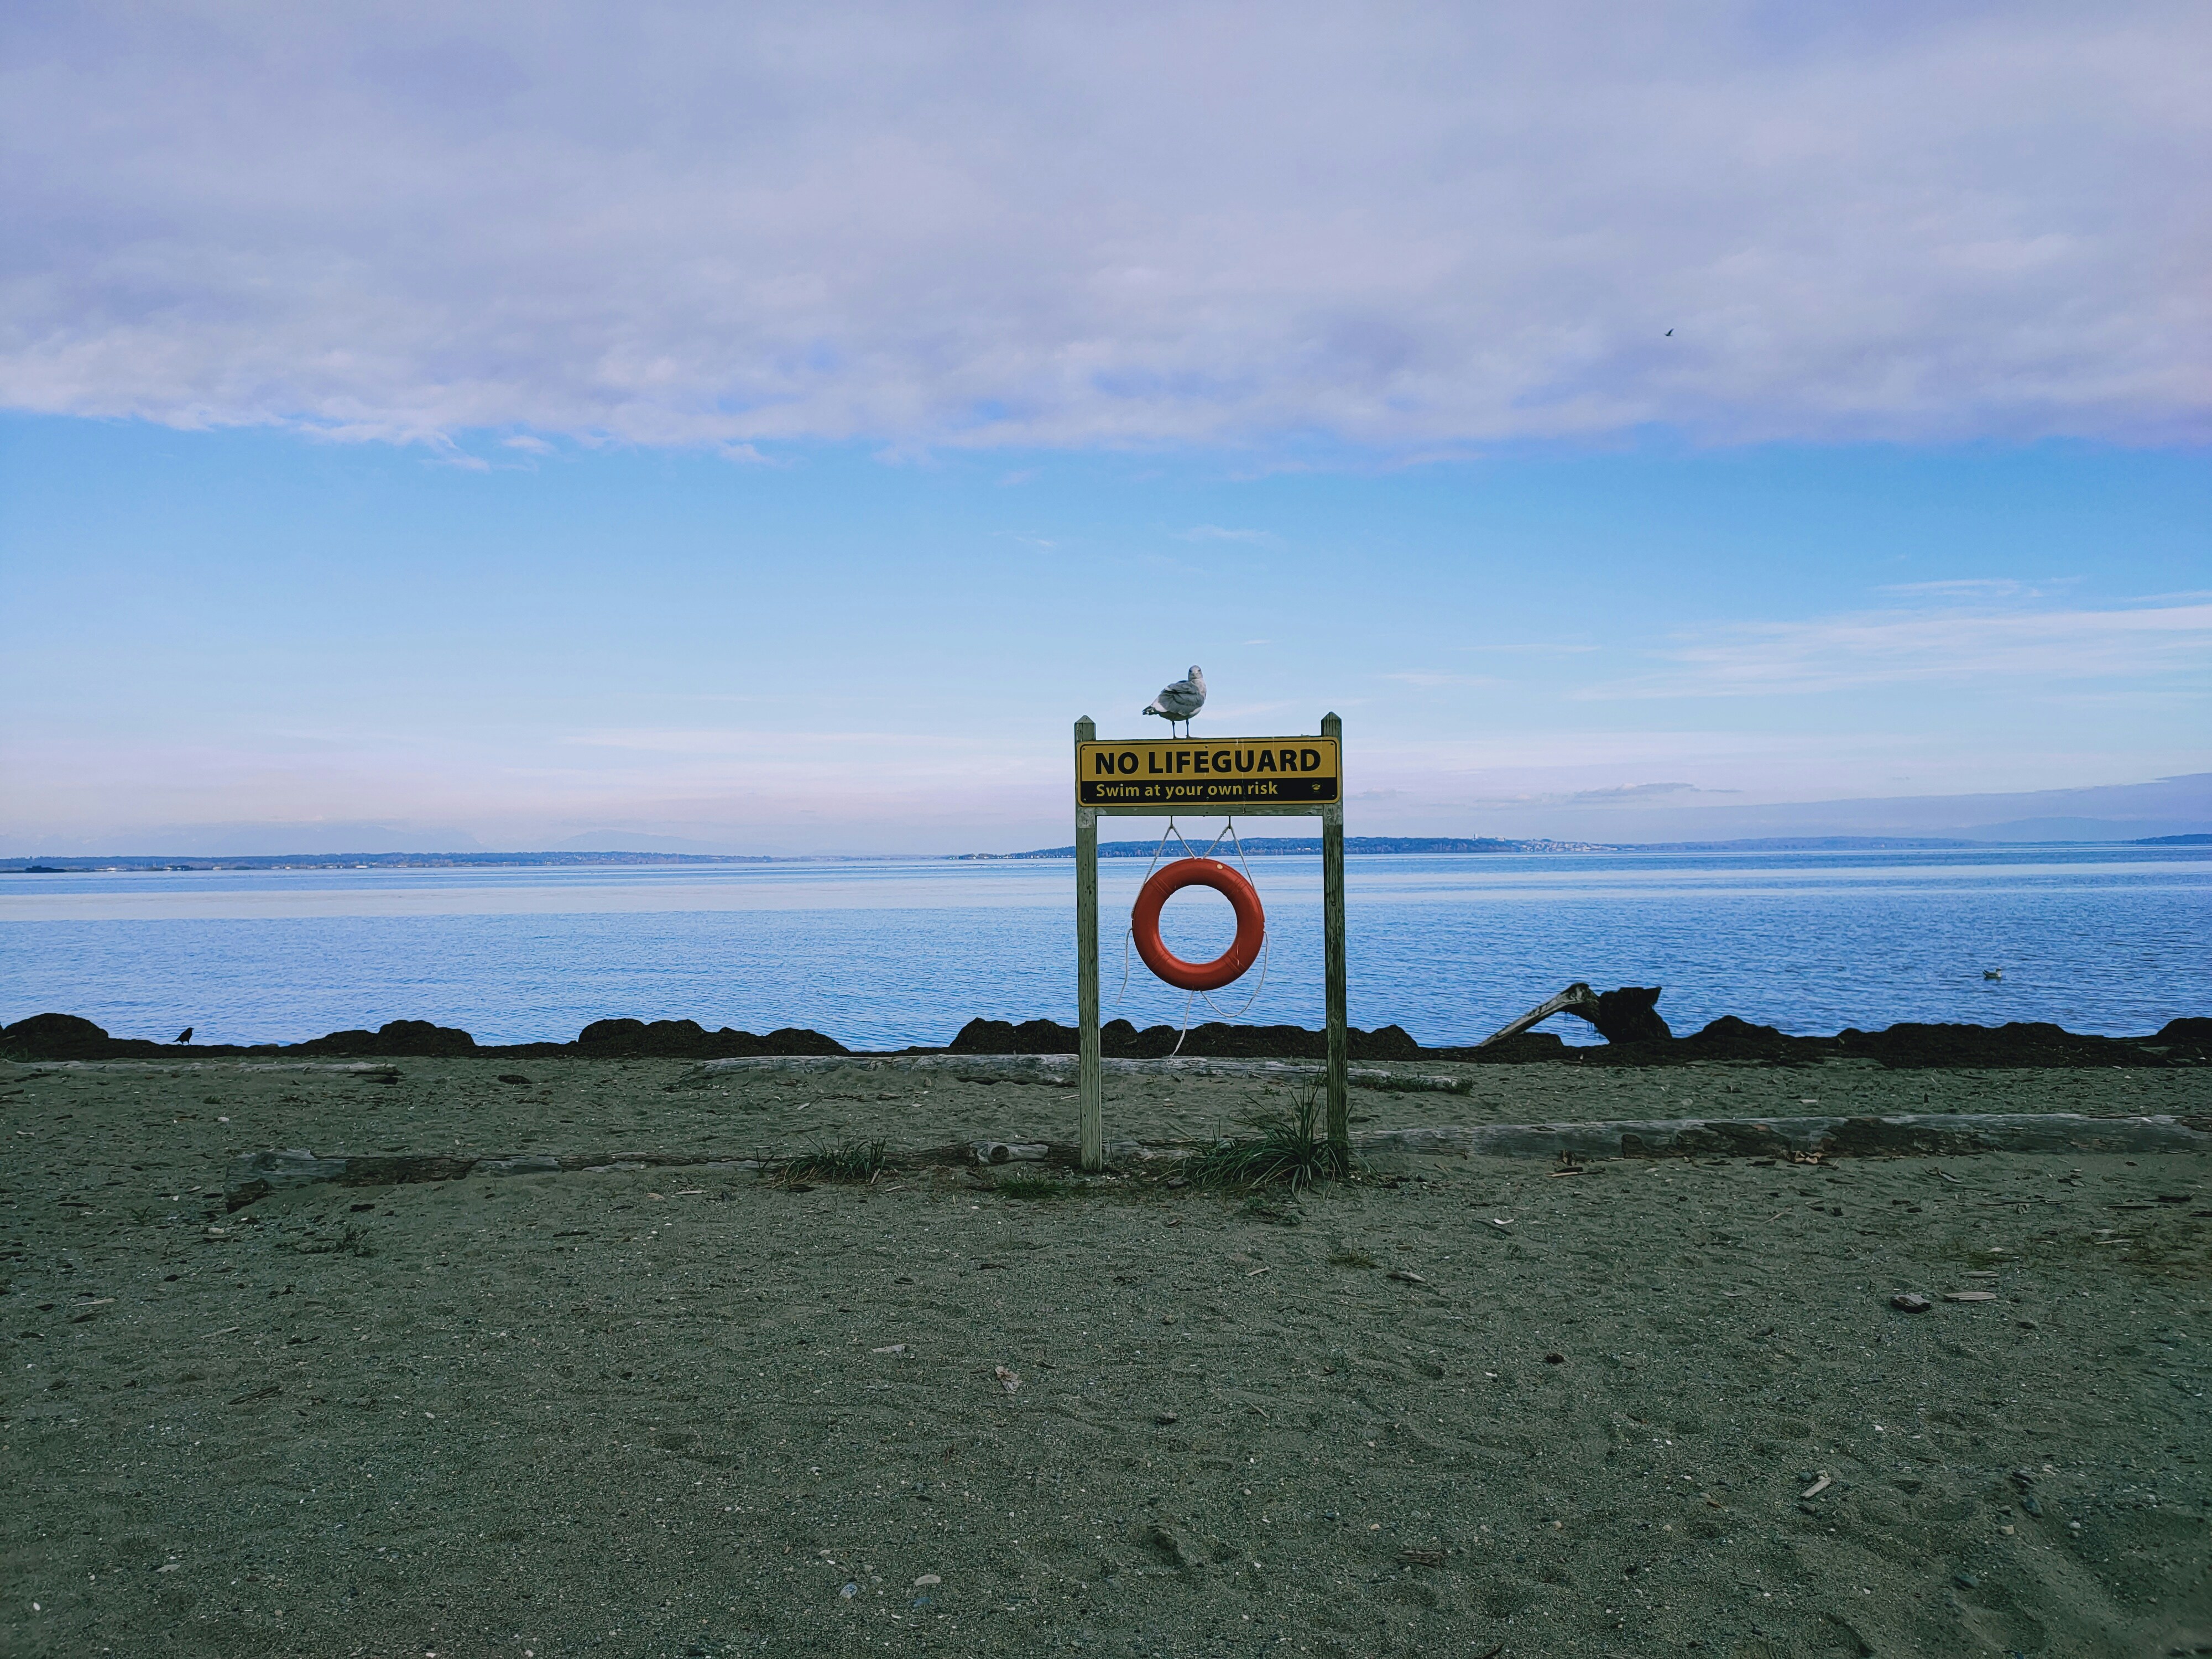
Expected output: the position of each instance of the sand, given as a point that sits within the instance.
(643, 1412)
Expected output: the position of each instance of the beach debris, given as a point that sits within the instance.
(890, 1347)
(848, 1591)
(927, 1580)
(1628, 1015)
(1969, 1296)
(1575, 999)
(1180, 700)
(1819, 1487)
(1007, 1380)
(1165, 1418)
(1405, 1277)
(1006, 1152)
(1910, 1302)
(1419, 1558)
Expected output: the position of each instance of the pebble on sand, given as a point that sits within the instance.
(1908, 1302)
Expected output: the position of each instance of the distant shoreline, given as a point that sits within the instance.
(1257, 846)
(1144, 849)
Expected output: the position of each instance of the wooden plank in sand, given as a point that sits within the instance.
(1065, 1070)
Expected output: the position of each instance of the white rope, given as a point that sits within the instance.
(1129, 933)
(1229, 829)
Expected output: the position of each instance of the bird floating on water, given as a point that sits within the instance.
(1992, 972)
(1179, 702)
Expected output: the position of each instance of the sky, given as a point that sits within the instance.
(766, 429)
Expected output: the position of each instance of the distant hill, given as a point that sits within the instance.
(360, 861)
(1281, 846)
(2173, 840)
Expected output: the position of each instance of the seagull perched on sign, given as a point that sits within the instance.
(1181, 700)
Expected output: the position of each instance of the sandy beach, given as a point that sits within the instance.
(1460, 1405)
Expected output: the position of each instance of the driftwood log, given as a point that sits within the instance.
(1925, 1133)
(1630, 1014)
(1060, 1071)
(255, 1175)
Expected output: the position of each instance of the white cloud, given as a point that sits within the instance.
(2147, 647)
(930, 224)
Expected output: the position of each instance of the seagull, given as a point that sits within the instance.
(1670, 333)
(1180, 702)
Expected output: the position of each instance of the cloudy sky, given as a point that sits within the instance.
(767, 428)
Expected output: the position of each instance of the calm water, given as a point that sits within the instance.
(882, 955)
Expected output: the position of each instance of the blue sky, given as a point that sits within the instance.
(501, 432)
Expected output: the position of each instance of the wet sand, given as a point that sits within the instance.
(647, 1412)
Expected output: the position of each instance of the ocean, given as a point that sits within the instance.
(883, 954)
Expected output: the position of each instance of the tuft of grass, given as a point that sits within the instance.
(1038, 1188)
(1286, 1151)
(851, 1161)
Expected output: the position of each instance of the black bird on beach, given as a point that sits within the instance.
(184, 1036)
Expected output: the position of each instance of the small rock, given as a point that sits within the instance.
(1969, 1296)
(1555, 1359)
(2028, 1324)
(847, 1591)
(928, 1580)
(1964, 1580)
(2033, 1505)
(1007, 1380)
(1164, 1419)
(1908, 1302)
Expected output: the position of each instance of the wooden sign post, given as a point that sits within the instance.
(1229, 777)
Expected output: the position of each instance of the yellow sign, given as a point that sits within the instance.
(1223, 772)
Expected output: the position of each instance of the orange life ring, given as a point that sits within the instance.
(1243, 950)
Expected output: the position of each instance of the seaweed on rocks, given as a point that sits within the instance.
(394, 1038)
(686, 1039)
(2183, 1042)
(67, 1037)
(1120, 1040)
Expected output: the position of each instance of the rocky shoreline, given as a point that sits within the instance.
(2186, 1042)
